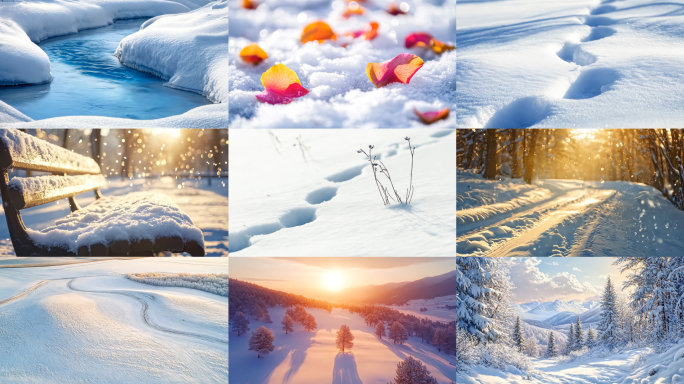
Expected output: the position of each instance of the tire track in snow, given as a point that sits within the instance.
(23, 294)
(547, 222)
(145, 317)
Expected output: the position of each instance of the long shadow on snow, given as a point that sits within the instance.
(298, 355)
(345, 371)
(402, 351)
(510, 32)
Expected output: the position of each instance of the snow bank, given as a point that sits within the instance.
(208, 116)
(24, 24)
(188, 50)
(130, 217)
(216, 283)
(666, 367)
(341, 93)
(11, 115)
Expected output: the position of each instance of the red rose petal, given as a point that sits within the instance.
(432, 116)
(398, 70)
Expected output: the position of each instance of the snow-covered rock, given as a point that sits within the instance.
(187, 49)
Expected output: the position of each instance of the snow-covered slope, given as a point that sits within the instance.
(188, 50)
(581, 64)
(590, 316)
(308, 192)
(311, 357)
(546, 310)
(568, 218)
(437, 309)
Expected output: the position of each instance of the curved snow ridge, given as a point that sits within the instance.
(189, 50)
(25, 24)
(145, 316)
(483, 212)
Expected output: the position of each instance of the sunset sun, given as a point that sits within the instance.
(333, 280)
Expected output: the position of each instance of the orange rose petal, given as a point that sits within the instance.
(253, 53)
(432, 116)
(394, 10)
(351, 12)
(398, 70)
(249, 4)
(369, 33)
(422, 39)
(318, 31)
(281, 85)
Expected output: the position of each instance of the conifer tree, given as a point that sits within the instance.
(475, 296)
(571, 339)
(397, 333)
(412, 371)
(288, 324)
(608, 319)
(591, 337)
(309, 323)
(240, 324)
(579, 335)
(552, 350)
(380, 330)
(261, 341)
(439, 340)
(519, 336)
(344, 338)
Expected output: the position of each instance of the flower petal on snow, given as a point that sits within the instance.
(432, 116)
(253, 53)
(369, 33)
(422, 39)
(318, 31)
(249, 4)
(400, 69)
(352, 11)
(281, 85)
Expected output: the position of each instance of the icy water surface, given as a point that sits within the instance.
(89, 80)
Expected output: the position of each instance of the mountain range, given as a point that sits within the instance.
(553, 312)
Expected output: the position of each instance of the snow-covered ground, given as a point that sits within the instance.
(187, 48)
(581, 63)
(564, 218)
(613, 368)
(207, 207)
(311, 357)
(341, 94)
(436, 308)
(88, 323)
(309, 193)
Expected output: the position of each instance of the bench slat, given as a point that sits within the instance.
(27, 192)
(19, 150)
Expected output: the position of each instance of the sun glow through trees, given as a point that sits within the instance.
(333, 280)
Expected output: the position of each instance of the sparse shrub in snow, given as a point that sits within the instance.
(288, 324)
(397, 333)
(240, 324)
(261, 341)
(378, 165)
(412, 371)
(380, 330)
(344, 338)
(216, 283)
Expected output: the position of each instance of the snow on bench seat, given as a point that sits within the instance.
(26, 192)
(132, 218)
(23, 151)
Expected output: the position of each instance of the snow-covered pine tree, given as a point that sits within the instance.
(551, 350)
(591, 337)
(380, 330)
(412, 371)
(579, 335)
(475, 297)
(344, 338)
(240, 324)
(439, 339)
(531, 347)
(465, 348)
(309, 323)
(607, 327)
(571, 339)
(519, 336)
(288, 324)
(261, 341)
(397, 333)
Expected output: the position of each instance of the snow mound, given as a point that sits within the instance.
(131, 217)
(11, 115)
(188, 50)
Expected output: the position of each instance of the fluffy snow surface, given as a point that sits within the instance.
(309, 193)
(341, 95)
(585, 63)
(436, 308)
(612, 368)
(311, 357)
(188, 49)
(88, 323)
(206, 207)
(564, 218)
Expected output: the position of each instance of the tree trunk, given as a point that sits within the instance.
(530, 158)
(515, 166)
(490, 160)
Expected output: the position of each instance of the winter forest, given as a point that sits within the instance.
(570, 192)
(632, 333)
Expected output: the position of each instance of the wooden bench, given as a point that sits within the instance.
(148, 232)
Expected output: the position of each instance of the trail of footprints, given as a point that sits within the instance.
(590, 83)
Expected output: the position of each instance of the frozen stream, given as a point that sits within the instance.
(89, 80)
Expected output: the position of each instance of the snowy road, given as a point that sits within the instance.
(564, 218)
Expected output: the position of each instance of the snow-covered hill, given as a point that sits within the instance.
(437, 308)
(550, 309)
(590, 316)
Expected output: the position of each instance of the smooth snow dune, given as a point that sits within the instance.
(55, 334)
(311, 357)
(582, 218)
